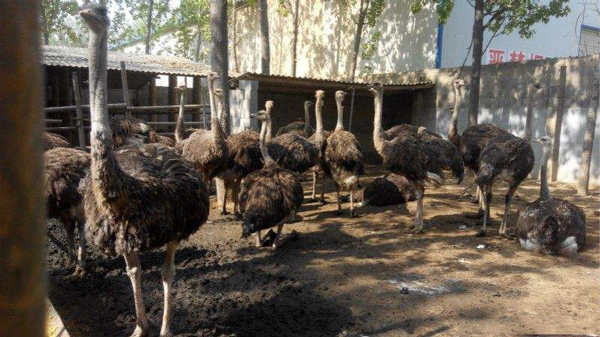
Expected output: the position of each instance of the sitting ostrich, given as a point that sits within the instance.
(318, 139)
(472, 141)
(63, 170)
(139, 198)
(300, 128)
(270, 196)
(53, 140)
(290, 150)
(343, 157)
(550, 225)
(391, 189)
(409, 154)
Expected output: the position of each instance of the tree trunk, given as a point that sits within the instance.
(236, 67)
(476, 69)
(529, 114)
(220, 54)
(362, 14)
(588, 140)
(295, 38)
(45, 32)
(198, 46)
(149, 25)
(264, 38)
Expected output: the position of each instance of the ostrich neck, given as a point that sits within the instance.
(215, 125)
(106, 173)
(453, 131)
(264, 129)
(340, 116)
(544, 190)
(269, 134)
(179, 129)
(306, 120)
(378, 135)
(211, 100)
(319, 120)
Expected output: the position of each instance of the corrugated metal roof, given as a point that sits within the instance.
(168, 65)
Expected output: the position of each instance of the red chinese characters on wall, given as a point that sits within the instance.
(496, 56)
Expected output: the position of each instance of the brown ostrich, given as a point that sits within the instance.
(139, 198)
(290, 150)
(409, 154)
(342, 157)
(269, 196)
(300, 128)
(550, 225)
(391, 189)
(208, 149)
(53, 140)
(64, 168)
(318, 139)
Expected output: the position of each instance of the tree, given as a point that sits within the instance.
(149, 17)
(500, 17)
(220, 53)
(191, 23)
(286, 9)
(264, 37)
(57, 22)
(588, 140)
(368, 12)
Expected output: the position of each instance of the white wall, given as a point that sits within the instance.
(558, 38)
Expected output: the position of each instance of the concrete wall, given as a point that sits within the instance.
(503, 101)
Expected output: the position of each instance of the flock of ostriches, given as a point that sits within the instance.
(138, 191)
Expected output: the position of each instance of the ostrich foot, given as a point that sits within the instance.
(477, 215)
(166, 334)
(269, 238)
(417, 230)
(474, 200)
(140, 332)
(79, 271)
(507, 235)
(482, 232)
(353, 213)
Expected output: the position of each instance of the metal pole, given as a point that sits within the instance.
(22, 210)
(79, 113)
(351, 110)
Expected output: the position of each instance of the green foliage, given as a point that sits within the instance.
(59, 22)
(190, 19)
(370, 47)
(374, 12)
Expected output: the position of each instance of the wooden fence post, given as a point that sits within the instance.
(197, 98)
(22, 206)
(78, 112)
(125, 88)
(152, 99)
(554, 122)
(583, 184)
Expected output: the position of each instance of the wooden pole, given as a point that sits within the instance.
(125, 87)
(172, 96)
(152, 99)
(554, 122)
(583, 185)
(351, 106)
(22, 206)
(197, 97)
(78, 111)
(531, 91)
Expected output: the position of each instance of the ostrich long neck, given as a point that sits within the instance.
(179, 129)
(544, 190)
(215, 123)
(339, 126)
(106, 173)
(306, 120)
(453, 131)
(269, 134)
(319, 120)
(211, 99)
(264, 129)
(378, 135)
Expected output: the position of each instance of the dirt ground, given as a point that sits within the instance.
(367, 276)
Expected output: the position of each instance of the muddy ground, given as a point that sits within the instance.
(367, 276)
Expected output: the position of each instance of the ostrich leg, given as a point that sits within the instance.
(81, 252)
(70, 228)
(322, 178)
(314, 186)
(352, 210)
(134, 271)
(339, 201)
(480, 212)
(259, 241)
(167, 274)
(507, 202)
(279, 229)
(420, 194)
(487, 200)
(224, 210)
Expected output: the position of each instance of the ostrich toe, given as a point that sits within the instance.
(482, 232)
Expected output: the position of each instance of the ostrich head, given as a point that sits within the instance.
(269, 105)
(375, 88)
(421, 129)
(95, 16)
(320, 94)
(262, 116)
(546, 141)
(340, 95)
(308, 104)
(218, 92)
(459, 83)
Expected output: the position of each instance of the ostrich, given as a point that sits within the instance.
(64, 168)
(408, 155)
(139, 198)
(52, 141)
(472, 141)
(290, 150)
(550, 225)
(300, 128)
(270, 196)
(208, 149)
(318, 139)
(342, 159)
(391, 189)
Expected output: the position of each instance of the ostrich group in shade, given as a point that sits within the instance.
(271, 196)
(138, 198)
(291, 151)
(300, 128)
(550, 225)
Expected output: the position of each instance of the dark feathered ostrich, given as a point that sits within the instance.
(52, 141)
(391, 189)
(473, 140)
(343, 157)
(290, 150)
(550, 225)
(408, 154)
(318, 139)
(270, 196)
(300, 128)
(139, 198)
(64, 168)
